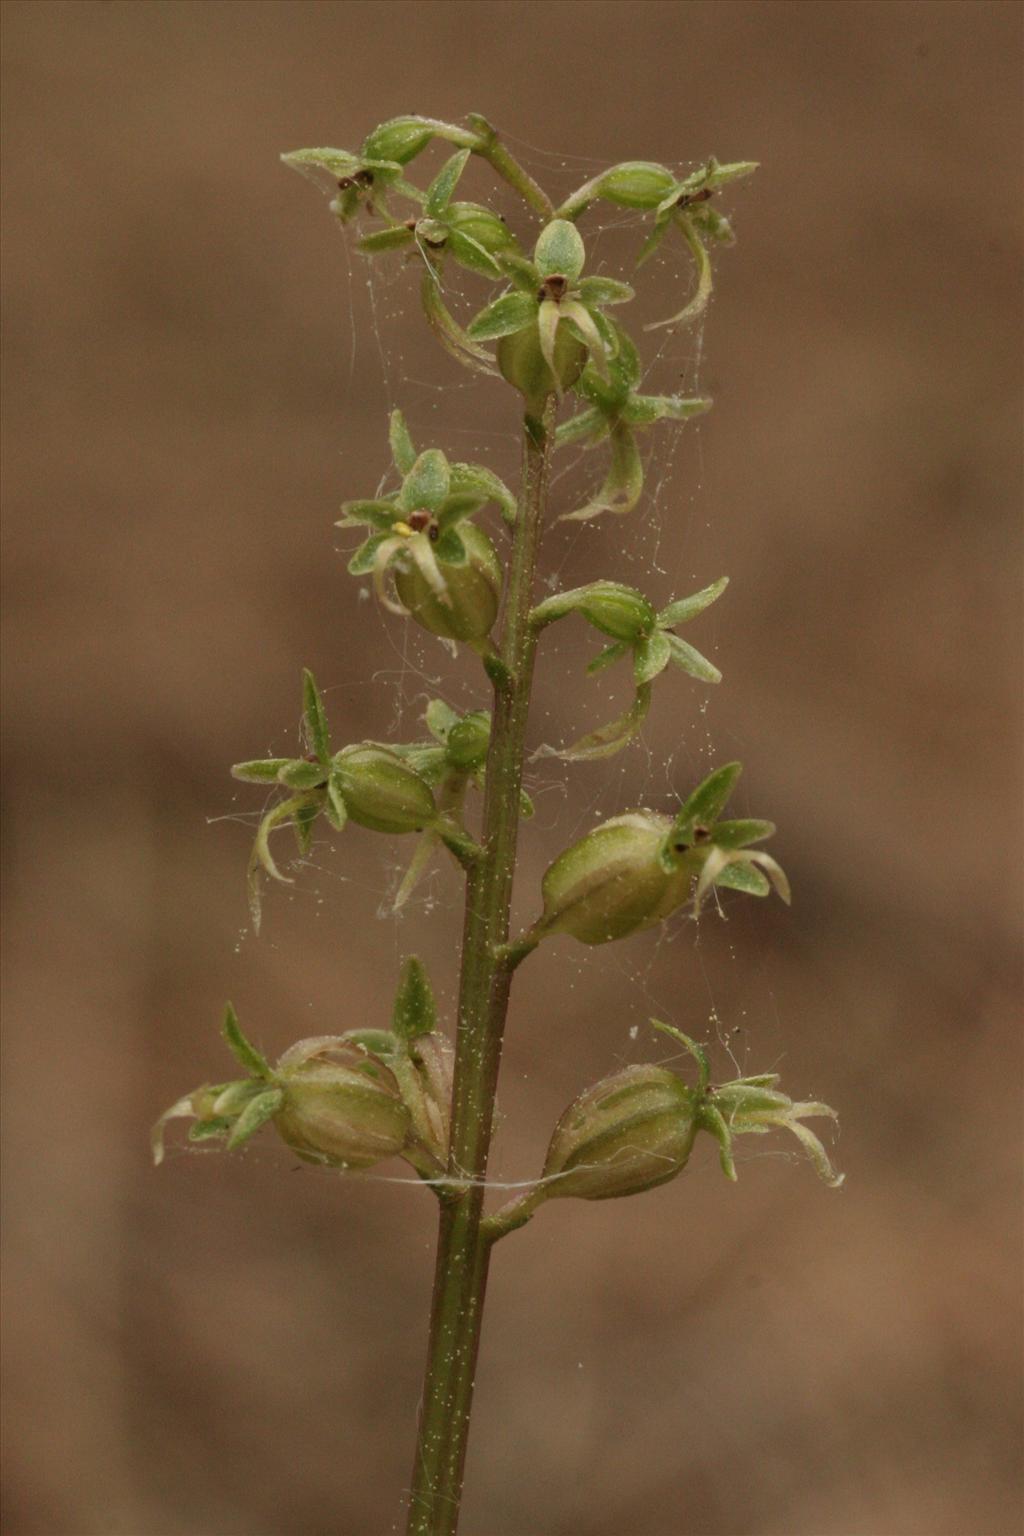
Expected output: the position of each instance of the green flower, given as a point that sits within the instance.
(452, 761)
(344, 1101)
(636, 1129)
(364, 181)
(369, 783)
(615, 410)
(682, 202)
(472, 234)
(445, 570)
(636, 629)
(551, 321)
(468, 231)
(634, 871)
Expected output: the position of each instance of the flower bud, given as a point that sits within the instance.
(480, 224)
(341, 1106)
(627, 1133)
(381, 791)
(636, 184)
(400, 139)
(621, 612)
(467, 742)
(524, 366)
(614, 881)
(473, 590)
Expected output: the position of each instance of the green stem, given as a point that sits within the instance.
(463, 1248)
(508, 168)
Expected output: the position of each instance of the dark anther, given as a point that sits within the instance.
(689, 198)
(419, 520)
(433, 533)
(410, 225)
(363, 178)
(701, 834)
(344, 183)
(554, 287)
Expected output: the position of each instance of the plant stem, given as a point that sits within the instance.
(507, 167)
(463, 1248)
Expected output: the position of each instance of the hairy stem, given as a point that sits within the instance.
(463, 1246)
(492, 149)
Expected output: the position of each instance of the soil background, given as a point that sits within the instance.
(233, 1347)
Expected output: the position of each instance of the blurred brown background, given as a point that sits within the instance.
(196, 374)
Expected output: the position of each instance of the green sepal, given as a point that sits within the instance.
(475, 480)
(511, 313)
(608, 739)
(426, 485)
(402, 452)
(650, 656)
(739, 834)
(744, 877)
(456, 342)
(316, 717)
(589, 327)
(261, 770)
(471, 254)
(439, 718)
(714, 225)
(335, 808)
(645, 410)
(708, 800)
(686, 608)
(559, 250)
(392, 239)
(698, 1052)
(415, 1011)
(698, 302)
(297, 773)
(375, 514)
(604, 290)
(305, 816)
(711, 1120)
(608, 657)
(255, 1114)
(591, 423)
(623, 483)
(522, 274)
(206, 1130)
(244, 1052)
(690, 660)
(439, 193)
(232, 1098)
(341, 163)
(365, 557)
